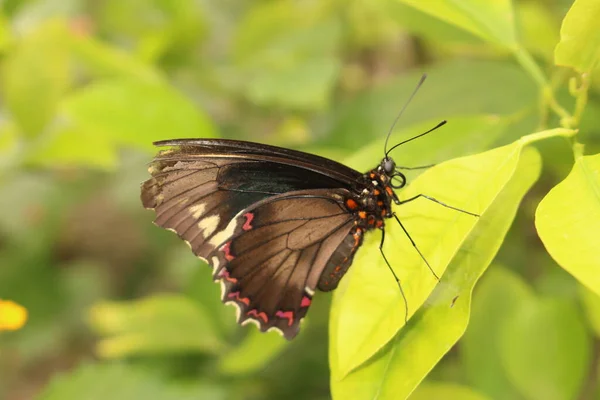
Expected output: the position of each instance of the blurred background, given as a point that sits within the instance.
(118, 308)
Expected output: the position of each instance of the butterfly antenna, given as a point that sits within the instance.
(418, 136)
(423, 77)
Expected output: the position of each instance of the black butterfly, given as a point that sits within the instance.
(275, 224)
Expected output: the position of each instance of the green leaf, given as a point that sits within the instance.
(453, 90)
(155, 325)
(5, 34)
(427, 26)
(35, 76)
(591, 305)
(439, 390)
(285, 55)
(255, 351)
(156, 28)
(401, 364)
(121, 382)
(105, 61)
(480, 346)
(136, 113)
(67, 146)
(366, 312)
(546, 349)
(9, 145)
(490, 20)
(537, 28)
(579, 45)
(568, 221)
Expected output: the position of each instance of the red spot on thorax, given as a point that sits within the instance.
(286, 314)
(305, 301)
(227, 251)
(257, 314)
(236, 295)
(389, 190)
(337, 269)
(379, 223)
(351, 204)
(249, 218)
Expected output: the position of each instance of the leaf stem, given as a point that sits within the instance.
(547, 99)
(581, 96)
(529, 65)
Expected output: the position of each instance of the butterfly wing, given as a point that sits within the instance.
(211, 195)
(273, 260)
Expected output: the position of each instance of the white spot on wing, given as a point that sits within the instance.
(214, 261)
(197, 210)
(251, 321)
(309, 291)
(276, 329)
(223, 290)
(208, 225)
(226, 233)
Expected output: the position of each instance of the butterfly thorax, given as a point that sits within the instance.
(374, 202)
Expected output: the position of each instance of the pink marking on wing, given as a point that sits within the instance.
(226, 249)
(224, 274)
(286, 314)
(249, 218)
(305, 302)
(236, 295)
(257, 314)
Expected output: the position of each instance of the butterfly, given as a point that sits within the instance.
(275, 224)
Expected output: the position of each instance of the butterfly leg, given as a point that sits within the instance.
(395, 276)
(435, 201)
(415, 246)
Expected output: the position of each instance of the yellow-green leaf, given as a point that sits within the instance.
(35, 76)
(103, 60)
(368, 308)
(124, 382)
(285, 55)
(492, 309)
(397, 369)
(490, 20)
(67, 146)
(439, 390)
(579, 45)
(154, 325)
(546, 350)
(137, 113)
(257, 349)
(591, 305)
(568, 222)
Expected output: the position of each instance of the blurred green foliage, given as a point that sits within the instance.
(120, 309)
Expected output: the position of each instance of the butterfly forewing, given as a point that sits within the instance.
(269, 223)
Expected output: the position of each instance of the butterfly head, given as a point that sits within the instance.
(387, 167)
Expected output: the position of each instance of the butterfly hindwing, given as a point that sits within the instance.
(278, 249)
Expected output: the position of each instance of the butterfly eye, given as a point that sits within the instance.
(398, 180)
(389, 166)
